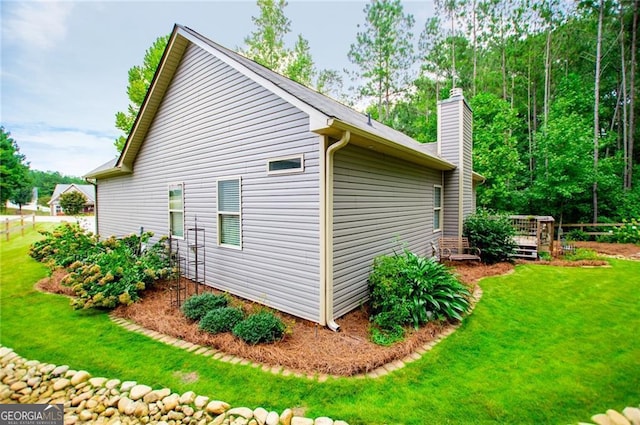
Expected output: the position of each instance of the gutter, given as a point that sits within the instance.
(327, 290)
(94, 183)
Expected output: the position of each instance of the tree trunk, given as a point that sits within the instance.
(596, 117)
(632, 89)
(547, 77)
(623, 87)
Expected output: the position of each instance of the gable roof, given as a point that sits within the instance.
(88, 190)
(327, 116)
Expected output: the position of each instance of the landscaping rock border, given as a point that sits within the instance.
(99, 400)
(629, 416)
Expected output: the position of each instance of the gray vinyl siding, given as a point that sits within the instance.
(451, 144)
(215, 123)
(381, 205)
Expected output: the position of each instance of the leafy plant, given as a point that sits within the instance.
(493, 234)
(582, 254)
(545, 256)
(409, 289)
(221, 320)
(197, 306)
(102, 273)
(577, 235)
(64, 245)
(629, 232)
(260, 327)
(386, 337)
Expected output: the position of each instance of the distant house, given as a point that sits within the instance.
(88, 190)
(297, 193)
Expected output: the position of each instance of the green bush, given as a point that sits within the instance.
(197, 306)
(493, 234)
(260, 327)
(103, 273)
(629, 232)
(582, 254)
(577, 235)
(221, 320)
(408, 289)
(64, 245)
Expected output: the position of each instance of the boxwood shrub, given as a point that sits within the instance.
(260, 327)
(197, 306)
(221, 320)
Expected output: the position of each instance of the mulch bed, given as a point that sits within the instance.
(307, 347)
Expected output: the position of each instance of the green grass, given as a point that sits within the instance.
(544, 345)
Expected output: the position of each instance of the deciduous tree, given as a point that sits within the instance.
(13, 167)
(72, 202)
(140, 77)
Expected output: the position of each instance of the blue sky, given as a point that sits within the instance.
(64, 64)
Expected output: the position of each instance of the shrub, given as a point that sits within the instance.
(197, 306)
(102, 274)
(582, 254)
(64, 245)
(577, 235)
(221, 320)
(411, 289)
(493, 234)
(629, 232)
(260, 327)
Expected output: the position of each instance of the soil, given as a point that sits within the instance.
(309, 348)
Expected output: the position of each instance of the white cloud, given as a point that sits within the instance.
(38, 24)
(72, 152)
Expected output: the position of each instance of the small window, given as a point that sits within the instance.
(176, 210)
(292, 164)
(229, 213)
(437, 208)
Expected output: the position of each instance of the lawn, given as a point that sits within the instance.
(544, 345)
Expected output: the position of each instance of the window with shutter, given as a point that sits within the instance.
(437, 208)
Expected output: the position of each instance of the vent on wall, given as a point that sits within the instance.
(455, 92)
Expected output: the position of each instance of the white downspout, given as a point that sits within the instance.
(328, 243)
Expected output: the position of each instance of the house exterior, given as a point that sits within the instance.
(297, 193)
(88, 190)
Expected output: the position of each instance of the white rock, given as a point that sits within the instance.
(286, 416)
(188, 397)
(633, 414)
(97, 382)
(139, 391)
(170, 402)
(112, 383)
(80, 377)
(297, 420)
(201, 401)
(272, 419)
(127, 385)
(60, 370)
(617, 418)
(323, 420)
(188, 411)
(261, 415)
(245, 412)
(60, 384)
(217, 407)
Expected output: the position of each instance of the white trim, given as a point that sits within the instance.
(286, 170)
(169, 210)
(439, 209)
(229, 213)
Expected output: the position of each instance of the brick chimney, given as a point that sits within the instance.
(455, 144)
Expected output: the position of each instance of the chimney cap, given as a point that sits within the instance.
(455, 92)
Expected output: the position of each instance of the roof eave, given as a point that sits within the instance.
(362, 138)
(109, 172)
